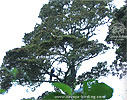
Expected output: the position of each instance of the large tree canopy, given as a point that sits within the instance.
(63, 38)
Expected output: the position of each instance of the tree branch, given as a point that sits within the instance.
(53, 75)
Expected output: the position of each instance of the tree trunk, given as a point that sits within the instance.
(71, 77)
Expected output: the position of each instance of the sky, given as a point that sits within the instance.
(20, 16)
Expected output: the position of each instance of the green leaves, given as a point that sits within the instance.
(92, 90)
(62, 37)
(117, 37)
(54, 96)
(65, 88)
(2, 91)
(14, 72)
(101, 89)
(57, 95)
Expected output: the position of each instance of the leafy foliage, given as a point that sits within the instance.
(118, 36)
(63, 37)
(63, 87)
(100, 70)
(2, 91)
(53, 96)
(92, 90)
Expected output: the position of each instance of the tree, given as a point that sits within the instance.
(63, 38)
(118, 36)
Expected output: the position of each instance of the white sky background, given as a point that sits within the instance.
(20, 16)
